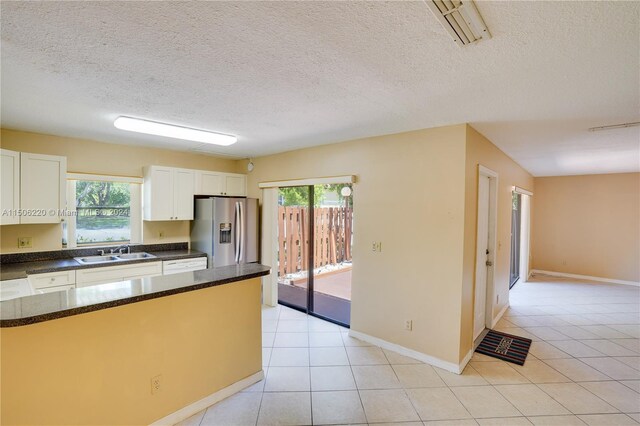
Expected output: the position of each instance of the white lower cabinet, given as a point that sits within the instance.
(110, 274)
(52, 280)
(64, 280)
(54, 289)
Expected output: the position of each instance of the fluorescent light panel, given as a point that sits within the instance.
(171, 131)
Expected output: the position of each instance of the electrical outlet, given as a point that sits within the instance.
(376, 246)
(25, 242)
(408, 325)
(156, 384)
(161, 234)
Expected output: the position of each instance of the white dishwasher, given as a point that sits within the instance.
(183, 265)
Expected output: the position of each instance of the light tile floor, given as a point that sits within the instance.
(583, 368)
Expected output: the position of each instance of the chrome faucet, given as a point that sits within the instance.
(119, 249)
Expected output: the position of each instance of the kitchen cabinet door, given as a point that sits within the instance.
(158, 193)
(209, 183)
(42, 187)
(236, 185)
(183, 189)
(117, 273)
(54, 289)
(10, 187)
(52, 279)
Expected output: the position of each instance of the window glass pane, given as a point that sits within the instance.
(103, 212)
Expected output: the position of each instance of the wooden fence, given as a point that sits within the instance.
(332, 237)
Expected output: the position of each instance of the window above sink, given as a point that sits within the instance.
(102, 210)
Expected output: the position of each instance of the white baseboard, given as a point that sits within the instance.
(437, 362)
(207, 401)
(466, 360)
(499, 316)
(584, 277)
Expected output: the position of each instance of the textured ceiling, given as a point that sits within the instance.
(286, 75)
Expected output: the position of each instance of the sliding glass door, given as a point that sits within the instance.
(315, 230)
(332, 234)
(293, 243)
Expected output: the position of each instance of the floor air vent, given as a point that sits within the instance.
(460, 19)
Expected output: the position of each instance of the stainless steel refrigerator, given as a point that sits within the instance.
(226, 229)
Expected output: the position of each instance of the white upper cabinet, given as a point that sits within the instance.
(235, 185)
(217, 183)
(168, 193)
(10, 187)
(158, 193)
(183, 189)
(42, 187)
(209, 183)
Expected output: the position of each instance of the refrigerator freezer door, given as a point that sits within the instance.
(223, 231)
(202, 228)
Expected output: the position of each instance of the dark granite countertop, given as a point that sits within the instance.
(49, 306)
(12, 271)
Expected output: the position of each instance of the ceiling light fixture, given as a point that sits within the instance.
(172, 131)
(615, 126)
(461, 20)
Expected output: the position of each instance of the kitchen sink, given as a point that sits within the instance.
(97, 259)
(132, 256)
(112, 258)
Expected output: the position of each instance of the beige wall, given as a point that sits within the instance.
(409, 195)
(44, 237)
(479, 150)
(96, 368)
(85, 156)
(588, 225)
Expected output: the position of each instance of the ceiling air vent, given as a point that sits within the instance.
(461, 19)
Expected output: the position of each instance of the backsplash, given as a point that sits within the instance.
(78, 252)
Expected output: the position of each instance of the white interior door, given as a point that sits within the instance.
(479, 307)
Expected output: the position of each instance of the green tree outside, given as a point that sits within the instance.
(299, 195)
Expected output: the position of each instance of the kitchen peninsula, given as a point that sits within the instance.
(131, 352)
